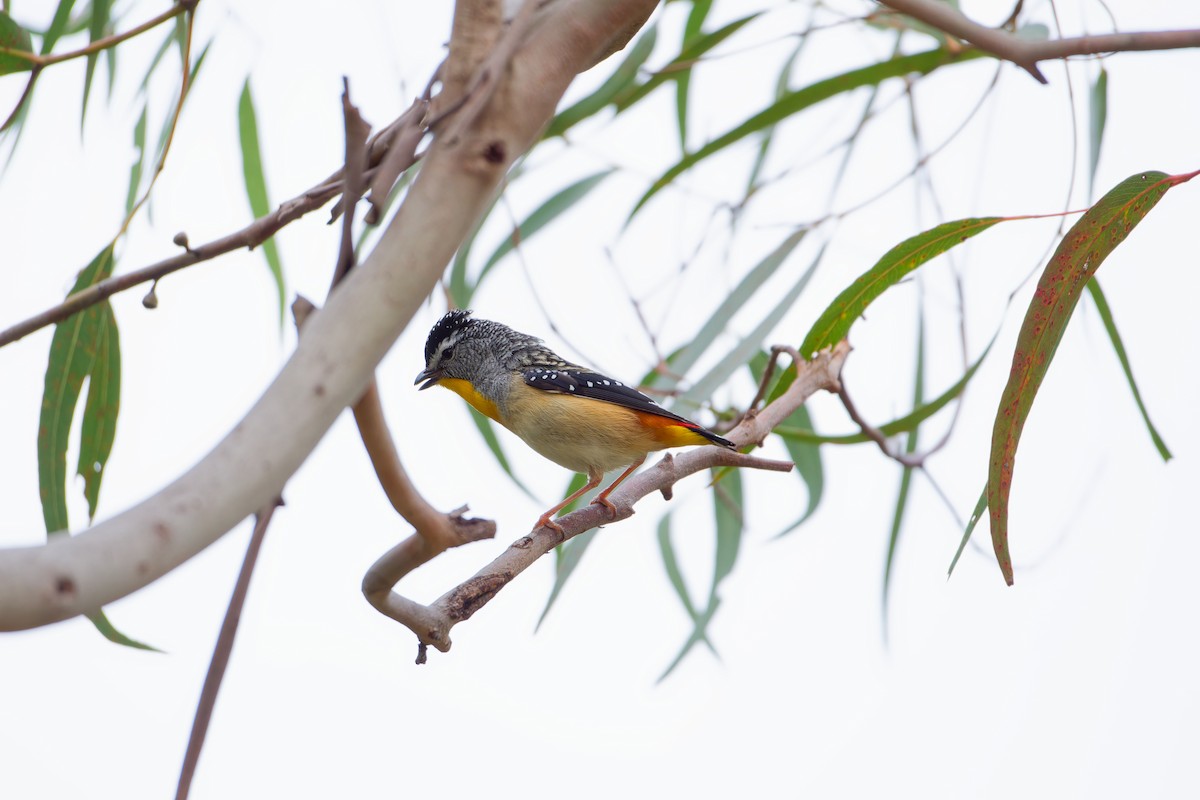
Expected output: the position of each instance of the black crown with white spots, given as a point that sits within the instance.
(515, 350)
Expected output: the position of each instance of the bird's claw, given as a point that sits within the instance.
(604, 501)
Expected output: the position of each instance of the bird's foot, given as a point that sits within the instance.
(544, 521)
(604, 501)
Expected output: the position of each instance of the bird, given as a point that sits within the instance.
(574, 416)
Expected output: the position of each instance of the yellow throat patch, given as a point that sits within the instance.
(467, 392)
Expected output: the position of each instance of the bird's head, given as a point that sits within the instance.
(458, 347)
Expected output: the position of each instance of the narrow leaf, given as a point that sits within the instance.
(567, 558)
(976, 515)
(622, 78)
(1098, 114)
(1079, 255)
(256, 186)
(97, 25)
(542, 216)
(666, 549)
(691, 31)
(733, 302)
(807, 458)
(62, 15)
(741, 353)
(102, 406)
(805, 455)
(1119, 348)
(108, 631)
(836, 320)
(728, 509)
(460, 290)
(698, 635)
(794, 102)
(768, 134)
(905, 478)
(154, 62)
(72, 356)
(139, 163)
(682, 63)
(908, 422)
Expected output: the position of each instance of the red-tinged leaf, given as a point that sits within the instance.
(1076, 260)
(835, 322)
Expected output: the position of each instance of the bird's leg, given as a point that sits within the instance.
(602, 498)
(545, 520)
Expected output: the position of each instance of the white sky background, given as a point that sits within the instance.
(1079, 681)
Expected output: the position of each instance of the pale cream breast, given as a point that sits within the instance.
(578, 433)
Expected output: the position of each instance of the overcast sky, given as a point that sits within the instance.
(1077, 682)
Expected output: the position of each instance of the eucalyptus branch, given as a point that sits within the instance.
(441, 531)
(1026, 53)
(342, 345)
(876, 435)
(432, 623)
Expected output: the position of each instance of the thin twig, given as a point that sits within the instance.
(357, 131)
(876, 435)
(1026, 53)
(184, 86)
(221, 652)
(435, 531)
(250, 236)
(40, 61)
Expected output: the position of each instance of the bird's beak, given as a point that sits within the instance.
(430, 376)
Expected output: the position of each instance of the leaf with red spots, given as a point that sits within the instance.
(1076, 260)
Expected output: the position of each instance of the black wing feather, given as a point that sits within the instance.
(586, 383)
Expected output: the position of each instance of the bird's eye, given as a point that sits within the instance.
(448, 353)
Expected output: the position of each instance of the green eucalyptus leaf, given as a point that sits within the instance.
(256, 186)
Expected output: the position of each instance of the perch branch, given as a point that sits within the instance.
(1026, 53)
(333, 363)
(432, 623)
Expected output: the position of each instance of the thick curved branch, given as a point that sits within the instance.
(432, 623)
(334, 361)
(1026, 53)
